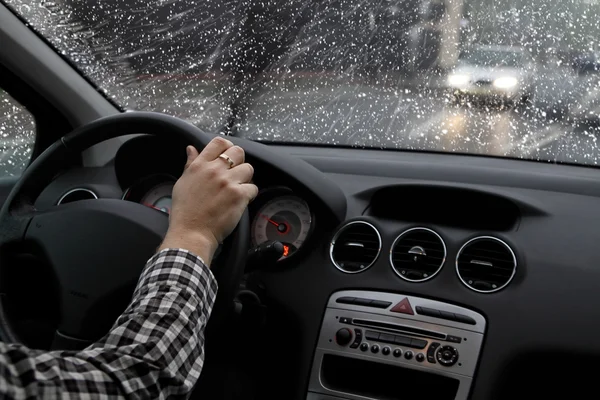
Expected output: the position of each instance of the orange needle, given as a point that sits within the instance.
(270, 220)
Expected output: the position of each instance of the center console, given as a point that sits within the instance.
(388, 346)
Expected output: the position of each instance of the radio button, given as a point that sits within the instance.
(375, 349)
(453, 339)
(362, 302)
(380, 304)
(408, 354)
(420, 357)
(431, 352)
(418, 343)
(402, 340)
(386, 351)
(357, 338)
(386, 338)
(397, 353)
(364, 347)
(345, 300)
(371, 335)
(447, 356)
(343, 337)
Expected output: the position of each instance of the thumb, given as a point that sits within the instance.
(192, 153)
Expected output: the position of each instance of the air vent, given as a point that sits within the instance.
(418, 254)
(486, 264)
(76, 194)
(355, 247)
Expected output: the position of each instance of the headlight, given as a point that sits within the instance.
(506, 82)
(458, 80)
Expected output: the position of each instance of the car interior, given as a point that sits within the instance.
(357, 272)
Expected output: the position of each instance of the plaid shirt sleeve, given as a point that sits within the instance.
(154, 350)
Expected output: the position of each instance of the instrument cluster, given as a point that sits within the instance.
(277, 213)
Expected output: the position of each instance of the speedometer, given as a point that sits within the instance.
(286, 219)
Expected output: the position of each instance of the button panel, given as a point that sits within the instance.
(432, 342)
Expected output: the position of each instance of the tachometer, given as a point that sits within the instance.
(159, 197)
(286, 219)
(154, 191)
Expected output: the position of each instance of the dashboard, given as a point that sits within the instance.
(508, 244)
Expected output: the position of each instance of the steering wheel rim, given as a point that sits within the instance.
(19, 221)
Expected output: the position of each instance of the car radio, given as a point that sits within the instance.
(390, 346)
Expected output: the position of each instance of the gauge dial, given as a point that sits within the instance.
(159, 197)
(286, 219)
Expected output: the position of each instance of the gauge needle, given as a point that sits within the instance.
(270, 220)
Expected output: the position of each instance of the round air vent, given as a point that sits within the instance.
(76, 194)
(418, 254)
(486, 264)
(355, 247)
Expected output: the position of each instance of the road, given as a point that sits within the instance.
(323, 111)
(417, 119)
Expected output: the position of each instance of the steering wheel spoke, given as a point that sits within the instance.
(15, 225)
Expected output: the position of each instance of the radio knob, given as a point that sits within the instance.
(343, 337)
(447, 356)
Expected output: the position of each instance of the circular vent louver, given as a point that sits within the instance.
(418, 254)
(486, 264)
(76, 194)
(355, 247)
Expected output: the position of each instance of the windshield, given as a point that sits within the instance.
(377, 74)
(491, 58)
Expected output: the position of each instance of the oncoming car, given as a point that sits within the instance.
(501, 74)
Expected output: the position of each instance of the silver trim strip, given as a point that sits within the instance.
(59, 202)
(337, 234)
(417, 229)
(512, 253)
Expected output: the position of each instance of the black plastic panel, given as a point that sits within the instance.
(447, 206)
(385, 382)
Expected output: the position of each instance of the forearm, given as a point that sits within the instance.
(155, 349)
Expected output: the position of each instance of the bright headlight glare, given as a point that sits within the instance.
(458, 80)
(506, 82)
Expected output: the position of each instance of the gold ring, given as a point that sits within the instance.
(228, 159)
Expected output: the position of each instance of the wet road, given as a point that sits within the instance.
(355, 114)
(418, 119)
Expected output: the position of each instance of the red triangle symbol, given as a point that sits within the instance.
(403, 307)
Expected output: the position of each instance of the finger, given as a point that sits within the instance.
(236, 153)
(216, 147)
(250, 190)
(242, 173)
(192, 154)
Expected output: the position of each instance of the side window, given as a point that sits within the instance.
(17, 136)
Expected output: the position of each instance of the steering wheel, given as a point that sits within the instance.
(98, 248)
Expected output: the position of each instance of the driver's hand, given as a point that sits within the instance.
(209, 198)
